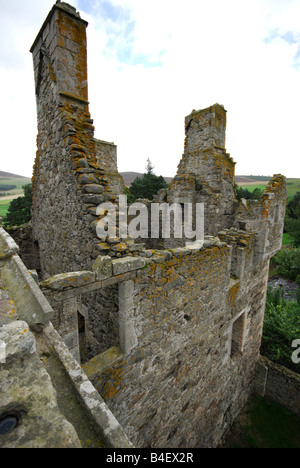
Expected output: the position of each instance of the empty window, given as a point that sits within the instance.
(238, 335)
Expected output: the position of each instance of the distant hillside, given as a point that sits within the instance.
(251, 180)
(8, 175)
(129, 177)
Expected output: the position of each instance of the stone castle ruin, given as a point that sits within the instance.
(166, 333)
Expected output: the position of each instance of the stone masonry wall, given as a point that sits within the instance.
(206, 172)
(278, 384)
(188, 376)
(68, 179)
(107, 157)
(46, 400)
(175, 333)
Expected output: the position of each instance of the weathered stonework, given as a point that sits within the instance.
(206, 172)
(46, 400)
(107, 157)
(72, 169)
(168, 333)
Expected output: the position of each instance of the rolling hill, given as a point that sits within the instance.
(8, 175)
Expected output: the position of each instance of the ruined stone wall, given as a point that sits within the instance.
(46, 400)
(68, 180)
(192, 368)
(107, 157)
(206, 172)
(279, 384)
(176, 331)
(29, 251)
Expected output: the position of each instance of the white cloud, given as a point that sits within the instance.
(151, 63)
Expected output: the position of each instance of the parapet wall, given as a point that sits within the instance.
(27, 394)
(278, 384)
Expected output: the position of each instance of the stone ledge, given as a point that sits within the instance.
(127, 264)
(31, 304)
(8, 247)
(68, 280)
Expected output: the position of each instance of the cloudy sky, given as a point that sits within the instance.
(151, 62)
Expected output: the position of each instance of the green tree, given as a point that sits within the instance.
(19, 211)
(287, 263)
(293, 207)
(292, 220)
(148, 185)
(245, 193)
(281, 328)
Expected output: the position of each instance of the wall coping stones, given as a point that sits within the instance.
(126, 264)
(107, 269)
(103, 268)
(69, 280)
(32, 305)
(8, 247)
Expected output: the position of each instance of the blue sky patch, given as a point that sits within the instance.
(119, 27)
(290, 38)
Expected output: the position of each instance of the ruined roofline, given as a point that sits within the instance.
(65, 8)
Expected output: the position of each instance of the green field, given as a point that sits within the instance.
(18, 182)
(3, 207)
(293, 186)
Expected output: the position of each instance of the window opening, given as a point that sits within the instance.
(238, 335)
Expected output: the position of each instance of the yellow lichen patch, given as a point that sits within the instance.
(113, 383)
(234, 291)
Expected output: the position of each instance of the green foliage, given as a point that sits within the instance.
(130, 197)
(3, 208)
(281, 328)
(245, 193)
(6, 187)
(19, 211)
(288, 263)
(292, 227)
(292, 220)
(148, 185)
(293, 207)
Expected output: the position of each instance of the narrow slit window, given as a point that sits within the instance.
(238, 335)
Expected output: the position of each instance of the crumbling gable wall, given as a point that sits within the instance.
(206, 172)
(69, 180)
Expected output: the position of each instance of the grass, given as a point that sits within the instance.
(264, 424)
(293, 186)
(17, 182)
(4, 204)
(287, 239)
